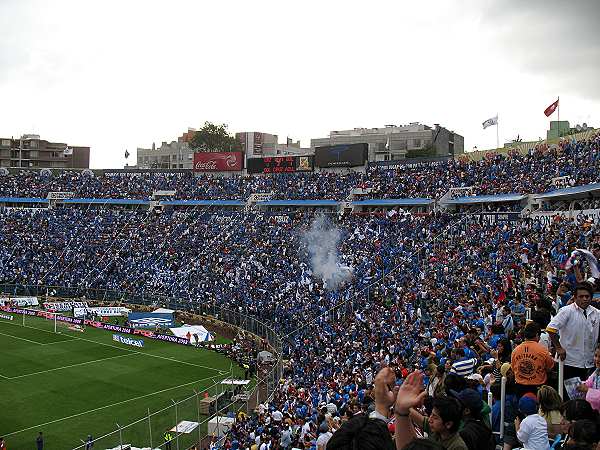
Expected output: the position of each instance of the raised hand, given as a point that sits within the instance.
(410, 394)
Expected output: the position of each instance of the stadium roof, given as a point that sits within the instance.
(299, 203)
(202, 203)
(107, 201)
(22, 200)
(576, 190)
(486, 199)
(394, 202)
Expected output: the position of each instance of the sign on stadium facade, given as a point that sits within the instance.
(218, 161)
(342, 155)
(280, 164)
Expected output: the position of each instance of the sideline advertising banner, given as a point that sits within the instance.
(128, 341)
(101, 325)
(150, 320)
(218, 161)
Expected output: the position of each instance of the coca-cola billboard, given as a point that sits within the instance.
(218, 162)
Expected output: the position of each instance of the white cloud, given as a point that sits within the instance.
(118, 75)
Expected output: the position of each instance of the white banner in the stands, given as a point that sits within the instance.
(20, 301)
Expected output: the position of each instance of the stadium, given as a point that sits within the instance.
(236, 311)
(382, 233)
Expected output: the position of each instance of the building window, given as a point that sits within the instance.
(417, 143)
(33, 144)
(5, 142)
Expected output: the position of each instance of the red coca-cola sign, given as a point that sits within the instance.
(218, 162)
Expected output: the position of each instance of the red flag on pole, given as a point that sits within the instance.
(550, 109)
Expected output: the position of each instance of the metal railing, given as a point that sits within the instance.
(148, 430)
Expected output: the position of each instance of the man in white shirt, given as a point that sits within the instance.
(578, 325)
(324, 436)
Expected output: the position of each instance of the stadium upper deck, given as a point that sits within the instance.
(534, 172)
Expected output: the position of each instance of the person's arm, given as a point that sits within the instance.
(560, 352)
(410, 394)
(416, 417)
(556, 324)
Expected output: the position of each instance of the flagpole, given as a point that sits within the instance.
(497, 139)
(558, 108)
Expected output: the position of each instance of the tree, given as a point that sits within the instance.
(214, 138)
(426, 152)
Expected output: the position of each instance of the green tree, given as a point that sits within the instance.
(426, 152)
(214, 138)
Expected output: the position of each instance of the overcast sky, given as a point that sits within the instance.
(121, 74)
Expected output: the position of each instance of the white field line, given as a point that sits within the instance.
(59, 342)
(127, 350)
(66, 367)
(2, 376)
(41, 425)
(22, 339)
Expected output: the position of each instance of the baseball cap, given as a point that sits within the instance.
(505, 368)
(470, 398)
(528, 405)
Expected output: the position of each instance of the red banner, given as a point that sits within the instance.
(218, 162)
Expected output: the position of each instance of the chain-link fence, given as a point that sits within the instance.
(211, 408)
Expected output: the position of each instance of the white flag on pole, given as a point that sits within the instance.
(490, 122)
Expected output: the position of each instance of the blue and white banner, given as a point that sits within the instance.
(150, 320)
(128, 341)
(104, 311)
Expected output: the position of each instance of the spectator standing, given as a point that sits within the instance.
(463, 366)
(443, 423)
(531, 361)
(591, 387)
(39, 442)
(577, 325)
(475, 433)
(518, 311)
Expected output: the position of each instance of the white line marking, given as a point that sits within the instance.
(107, 406)
(59, 342)
(71, 365)
(23, 339)
(128, 350)
(4, 377)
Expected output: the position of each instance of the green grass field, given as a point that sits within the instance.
(71, 384)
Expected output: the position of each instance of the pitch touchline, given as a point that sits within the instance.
(66, 367)
(221, 372)
(107, 406)
(23, 339)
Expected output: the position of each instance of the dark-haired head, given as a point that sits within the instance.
(360, 433)
(542, 317)
(531, 331)
(454, 382)
(578, 409)
(584, 432)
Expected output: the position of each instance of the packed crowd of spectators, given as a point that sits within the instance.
(431, 294)
(573, 162)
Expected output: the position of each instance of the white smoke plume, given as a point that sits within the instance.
(321, 241)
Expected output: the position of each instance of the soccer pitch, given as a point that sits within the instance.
(71, 384)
